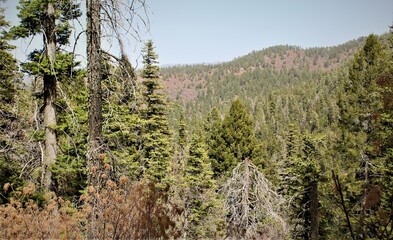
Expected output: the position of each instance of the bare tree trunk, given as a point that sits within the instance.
(49, 98)
(246, 195)
(94, 81)
(314, 211)
(346, 212)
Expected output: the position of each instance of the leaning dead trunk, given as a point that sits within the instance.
(49, 98)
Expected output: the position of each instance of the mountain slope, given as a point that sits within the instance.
(187, 82)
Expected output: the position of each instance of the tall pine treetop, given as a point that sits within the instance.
(151, 68)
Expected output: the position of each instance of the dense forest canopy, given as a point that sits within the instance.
(282, 143)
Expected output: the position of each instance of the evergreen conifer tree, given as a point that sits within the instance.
(123, 126)
(214, 141)
(299, 184)
(363, 135)
(51, 19)
(69, 170)
(238, 138)
(181, 153)
(9, 167)
(155, 133)
(198, 179)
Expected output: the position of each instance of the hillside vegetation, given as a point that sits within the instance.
(283, 143)
(185, 82)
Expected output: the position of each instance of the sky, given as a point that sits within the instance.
(211, 31)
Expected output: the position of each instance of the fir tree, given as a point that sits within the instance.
(214, 141)
(198, 180)
(178, 163)
(238, 138)
(299, 183)
(69, 170)
(9, 167)
(155, 133)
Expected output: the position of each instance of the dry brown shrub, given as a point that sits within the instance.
(26, 220)
(136, 210)
(132, 211)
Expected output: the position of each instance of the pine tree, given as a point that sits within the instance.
(214, 141)
(299, 183)
(155, 133)
(51, 19)
(238, 138)
(362, 130)
(9, 167)
(198, 181)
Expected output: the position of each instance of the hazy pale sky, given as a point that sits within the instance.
(209, 31)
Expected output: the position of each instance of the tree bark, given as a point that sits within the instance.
(49, 98)
(94, 148)
(94, 83)
(314, 210)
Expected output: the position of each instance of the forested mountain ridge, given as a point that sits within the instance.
(257, 149)
(186, 82)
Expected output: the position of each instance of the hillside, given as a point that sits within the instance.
(282, 143)
(186, 82)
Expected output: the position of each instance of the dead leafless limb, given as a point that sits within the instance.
(339, 190)
(254, 209)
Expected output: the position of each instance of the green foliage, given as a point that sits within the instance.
(238, 138)
(123, 126)
(155, 130)
(303, 93)
(39, 65)
(50, 19)
(198, 170)
(8, 66)
(9, 119)
(213, 140)
(309, 112)
(365, 126)
(32, 14)
(182, 139)
(199, 182)
(300, 173)
(69, 170)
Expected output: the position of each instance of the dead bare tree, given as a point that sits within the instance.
(110, 15)
(119, 19)
(255, 209)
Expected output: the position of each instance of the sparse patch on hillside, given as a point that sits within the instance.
(185, 82)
